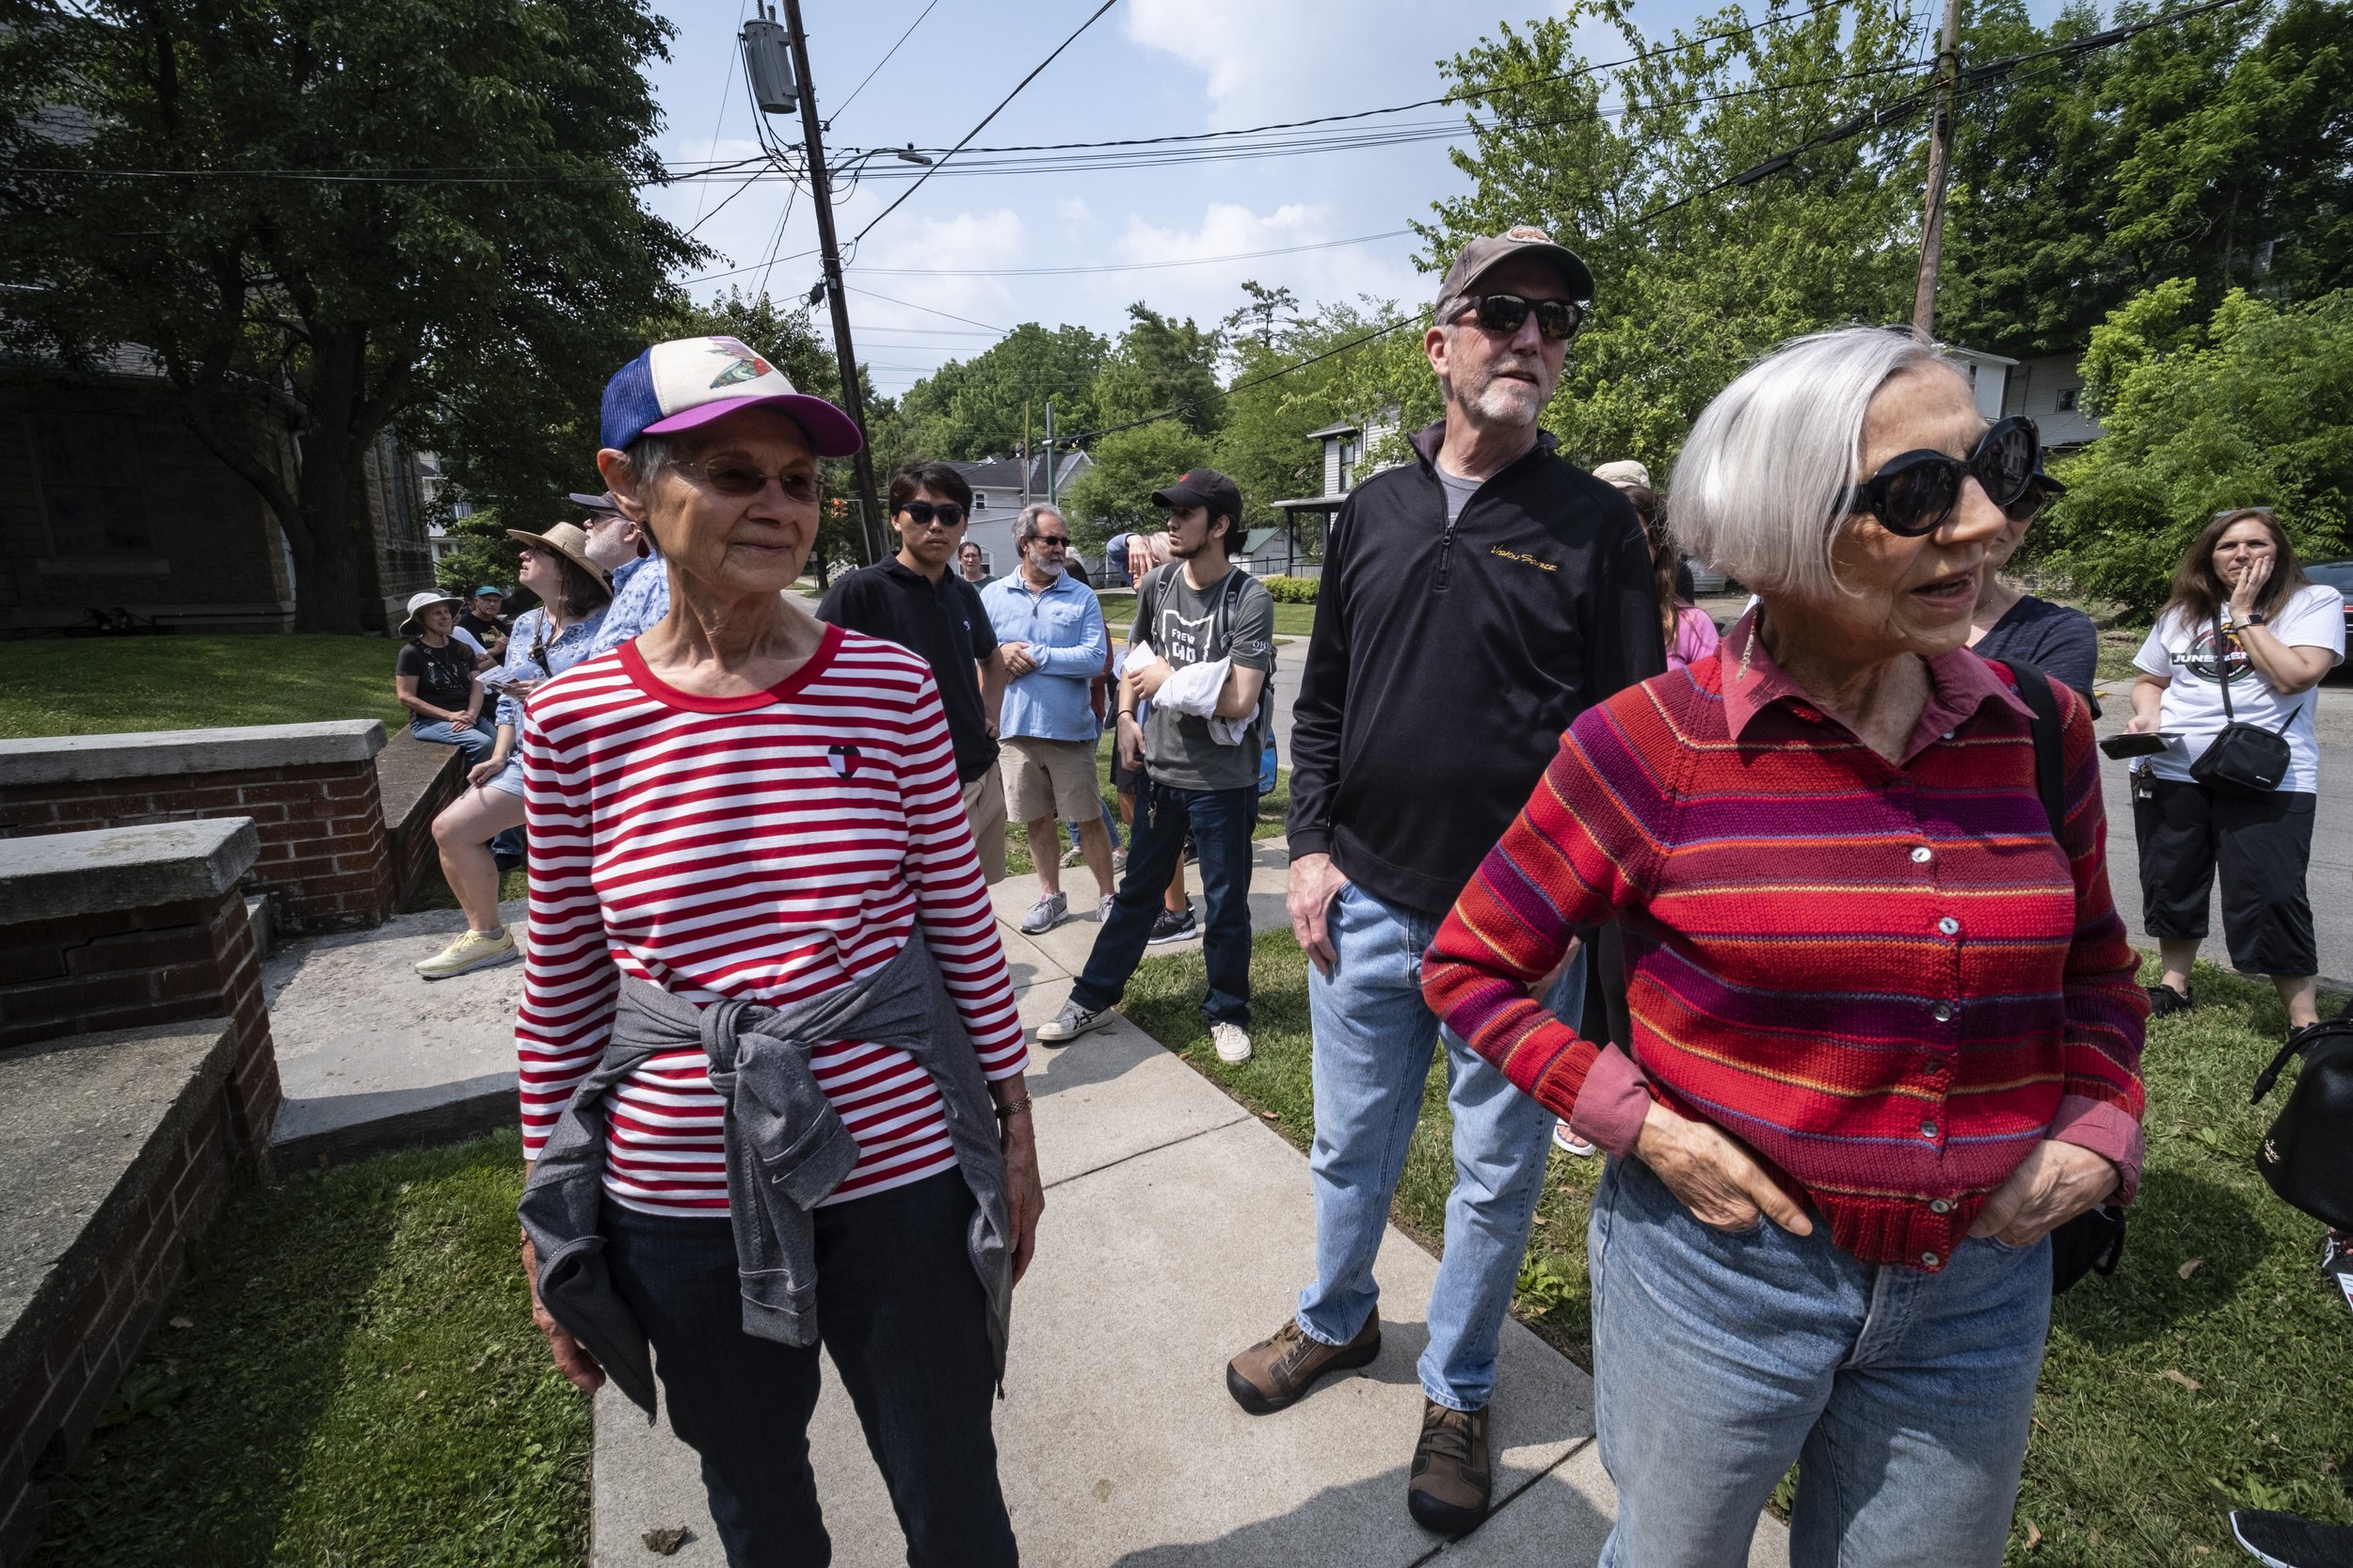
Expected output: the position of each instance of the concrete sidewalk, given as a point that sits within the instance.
(1179, 1229)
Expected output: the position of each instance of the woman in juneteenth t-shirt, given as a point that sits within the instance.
(2243, 613)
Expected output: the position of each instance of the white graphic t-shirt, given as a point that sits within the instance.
(2313, 616)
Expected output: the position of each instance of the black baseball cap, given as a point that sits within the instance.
(1203, 487)
(1482, 256)
(587, 503)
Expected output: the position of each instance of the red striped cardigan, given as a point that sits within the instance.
(1886, 980)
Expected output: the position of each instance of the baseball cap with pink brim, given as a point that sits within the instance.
(687, 382)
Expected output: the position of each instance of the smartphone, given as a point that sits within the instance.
(2122, 746)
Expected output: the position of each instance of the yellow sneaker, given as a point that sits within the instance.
(475, 950)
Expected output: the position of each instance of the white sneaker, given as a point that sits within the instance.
(1569, 1143)
(1103, 908)
(1232, 1042)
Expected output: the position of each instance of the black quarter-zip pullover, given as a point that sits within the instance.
(1447, 659)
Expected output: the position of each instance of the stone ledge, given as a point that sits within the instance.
(57, 875)
(86, 1125)
(167, 753)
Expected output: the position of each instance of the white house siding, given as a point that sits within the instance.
(2037, 388)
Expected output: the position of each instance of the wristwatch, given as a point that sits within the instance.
(2255, 617)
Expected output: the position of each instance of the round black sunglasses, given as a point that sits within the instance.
(1914, 493)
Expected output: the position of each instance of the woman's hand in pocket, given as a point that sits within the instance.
(1716, 1178)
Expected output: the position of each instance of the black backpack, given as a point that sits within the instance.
(2092, 1241)
(2307, 1157)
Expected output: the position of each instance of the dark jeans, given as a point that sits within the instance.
(2187, 832)
(1221, 821)
(903, 1313)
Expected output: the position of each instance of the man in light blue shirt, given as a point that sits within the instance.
(1049, 634)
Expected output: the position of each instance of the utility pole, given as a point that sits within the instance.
(1940, 174)
(1052, 500)
(820, 196)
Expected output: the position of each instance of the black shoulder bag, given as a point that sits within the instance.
(2092, 1241)
(2246, 759)
(2307, 1157)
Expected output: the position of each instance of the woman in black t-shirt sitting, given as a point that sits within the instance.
(434, 677)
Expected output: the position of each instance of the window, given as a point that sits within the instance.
(1349, 454)
(86, 470)
(2067, 399)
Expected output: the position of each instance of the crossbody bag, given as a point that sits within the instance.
(2246, 759)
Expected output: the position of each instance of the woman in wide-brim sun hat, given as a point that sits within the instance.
(553, 635)
(434, 678)
(750, 858)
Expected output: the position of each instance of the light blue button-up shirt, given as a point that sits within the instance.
(641, 597)
(1063, 626)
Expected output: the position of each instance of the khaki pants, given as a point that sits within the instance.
(984, 810)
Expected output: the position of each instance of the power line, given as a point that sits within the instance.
(878, 65)
(1120, 266)
(1000, 331)
(1090, 20)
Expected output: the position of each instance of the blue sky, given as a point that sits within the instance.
(1148, 67)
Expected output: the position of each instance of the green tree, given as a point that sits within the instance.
(2251, 405)
(477, 266)
(1116, 495)
(1687, 294)
(1160, 365)
(980, 407)
(1285, 386)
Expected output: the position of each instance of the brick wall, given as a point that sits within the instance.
(48, 1417)
(324, 853)
(162, 963)
(416, 778)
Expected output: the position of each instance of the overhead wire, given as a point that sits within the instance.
(838, 108)
(1093, 18)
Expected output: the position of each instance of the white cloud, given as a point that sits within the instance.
(1284, 60)
(1073, 210)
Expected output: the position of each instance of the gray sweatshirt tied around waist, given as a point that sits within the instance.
(787, 1149)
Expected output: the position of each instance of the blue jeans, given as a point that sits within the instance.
(477, 740)
(1110, 825)
(904, 1318)
(1720, 1360)
(1374, 1039)
(1221, 821)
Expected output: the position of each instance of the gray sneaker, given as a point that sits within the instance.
(1071, 1022)
(1045, 914)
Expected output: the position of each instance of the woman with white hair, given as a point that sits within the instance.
(1887, 1033)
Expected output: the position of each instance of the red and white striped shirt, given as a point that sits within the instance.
(773, 848)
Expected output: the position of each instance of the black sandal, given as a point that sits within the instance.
(2164, 1001)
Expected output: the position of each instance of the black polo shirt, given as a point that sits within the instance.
(941, 622)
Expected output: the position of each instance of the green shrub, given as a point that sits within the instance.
(1291, 591)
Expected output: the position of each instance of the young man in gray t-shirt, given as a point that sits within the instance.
(1201, 770)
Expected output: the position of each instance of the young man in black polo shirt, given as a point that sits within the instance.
(917, 600)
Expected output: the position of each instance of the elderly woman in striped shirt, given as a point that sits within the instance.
(1887, 1033)
(770, 1066)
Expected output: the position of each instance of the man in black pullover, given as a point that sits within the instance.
(1473, 603)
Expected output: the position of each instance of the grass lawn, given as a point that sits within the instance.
(2207, 1373)
(1291, 620)
(102, 685)
(1273, 808)
(358, 1382)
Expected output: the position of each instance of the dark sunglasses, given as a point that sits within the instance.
(1060, 541)
(1914, 493)
(731, 476)
(1556, 319)
(2030, 503)
(922, 513)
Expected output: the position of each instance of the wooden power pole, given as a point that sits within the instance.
(1940, 174)
(820, 196)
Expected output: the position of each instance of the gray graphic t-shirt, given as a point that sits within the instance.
(1233, 618)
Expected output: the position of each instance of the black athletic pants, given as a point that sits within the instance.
(904, 1315)
(2261, 845)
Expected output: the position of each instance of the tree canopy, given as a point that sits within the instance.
(167, 193)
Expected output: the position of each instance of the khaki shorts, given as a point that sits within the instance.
(984, 810)
(1051, 779)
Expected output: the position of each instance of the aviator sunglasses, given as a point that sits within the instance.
(1914, 493)
(1556, 319)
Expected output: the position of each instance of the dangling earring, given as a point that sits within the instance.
(1756, 628)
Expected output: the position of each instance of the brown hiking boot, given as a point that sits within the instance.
(1274, 1372)
(1452, 1473)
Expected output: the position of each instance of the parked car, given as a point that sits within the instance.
(2337, 575)
(1708, 580)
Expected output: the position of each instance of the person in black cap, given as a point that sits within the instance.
(484, 620)
(2010, 623)
(1474, 601)
(1209, 627)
